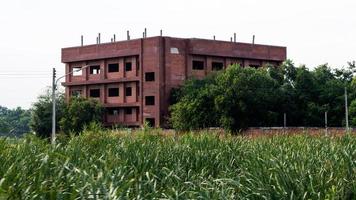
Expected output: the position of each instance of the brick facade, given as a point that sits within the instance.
(133, 79)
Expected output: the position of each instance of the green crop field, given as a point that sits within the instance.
(146, 166)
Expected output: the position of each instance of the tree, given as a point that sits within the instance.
(247, 97)
(79, 113)
(238, 97)
(352, 113)
(14, 121)
(41, 114)
(233, 99)
(195, 100)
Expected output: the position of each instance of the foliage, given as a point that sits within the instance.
(41, 113)
(353, 113)
(243, 97)
(80, 112)
(198, 100)
(105, 166)
(14, 122)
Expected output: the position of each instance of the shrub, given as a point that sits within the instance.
(80, 112)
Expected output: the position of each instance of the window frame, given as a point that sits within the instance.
(150, 78)
(90, 93)
(126, 89)
(128, 111)
(199, 68)
(126, 66)
(217, 62)
(76, 72)
(110, 65)
(94, 68)
(78, 93)
(114, 88)
(111, 111)
(150, 102)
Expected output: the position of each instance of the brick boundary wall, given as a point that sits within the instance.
(256, 131)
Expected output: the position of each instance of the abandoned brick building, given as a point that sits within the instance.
(133, 78)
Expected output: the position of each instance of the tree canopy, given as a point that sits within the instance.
(80, 112)
(14, 122)
(41, 115)
(238, 97)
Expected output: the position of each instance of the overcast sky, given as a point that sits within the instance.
(33, 32)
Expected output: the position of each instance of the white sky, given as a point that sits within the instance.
(33, 32)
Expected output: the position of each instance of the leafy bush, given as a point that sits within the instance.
(41, 113)
(81, 112)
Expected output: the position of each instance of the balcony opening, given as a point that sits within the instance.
(216, 66)
(198, 65)
(95, 69)
(113, 67)
(76, 93)
(150, 122)
(113, 111)
(150, 100)
(128, 91)
(149, 76)
(254, 66)
(128, 111)
(95, 93)
(77, 71)
(128, 66)
(113, 92)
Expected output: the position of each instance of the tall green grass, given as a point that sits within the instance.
(106, 166)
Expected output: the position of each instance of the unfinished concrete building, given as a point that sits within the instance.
(133, 78)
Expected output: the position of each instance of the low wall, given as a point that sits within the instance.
(296, 130)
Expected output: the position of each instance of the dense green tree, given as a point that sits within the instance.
(242, 97)
(246, 98)
(79, 113)
(352, 110)
(14, 122)
(195, 100)
(41, 115)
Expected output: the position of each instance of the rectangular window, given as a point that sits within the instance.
(150, 121)
(94, 93)
(113, 67)
(113, 92)
(77, 71)
(113, 111)
(95, 69)
(198, 65)
(216, 66)
(128, 111)
(149, 100)
(149, 76)
(128, 91)
(76, 93)
(128, 66)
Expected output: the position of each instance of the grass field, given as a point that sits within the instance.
(103, 165)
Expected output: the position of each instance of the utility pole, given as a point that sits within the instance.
(54, 87)
(53, 136)
(284, 122)
(346, 112)
(326, 123)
